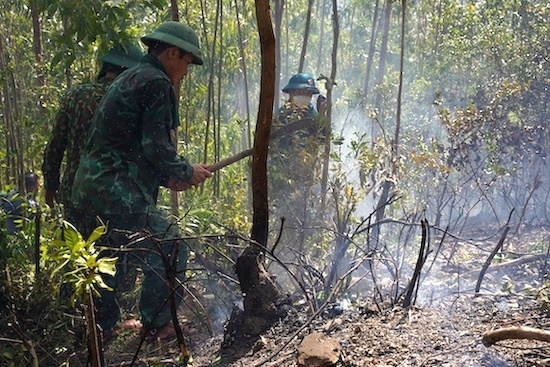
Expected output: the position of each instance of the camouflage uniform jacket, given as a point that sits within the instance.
(72, 122)
(129, 152)
(289, 113)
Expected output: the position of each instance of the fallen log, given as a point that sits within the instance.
(519, 261)
(515, 332)
(525, 259)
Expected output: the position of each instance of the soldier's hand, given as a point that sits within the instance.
(200, 174)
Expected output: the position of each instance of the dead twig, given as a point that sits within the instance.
(410, 297)
(489, 259)
(492, 255)
(26, 342)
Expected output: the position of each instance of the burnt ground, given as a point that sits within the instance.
(445, 328)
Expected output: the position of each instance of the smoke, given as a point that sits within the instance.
(457, 168)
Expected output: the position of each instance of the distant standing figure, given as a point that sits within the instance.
(19, 205)
(294, 157)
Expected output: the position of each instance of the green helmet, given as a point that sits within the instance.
(124, 56)
(179, 35)
(301, 81)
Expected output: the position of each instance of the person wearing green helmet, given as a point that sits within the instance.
(72, 121)
(129, 154)
(294, 158)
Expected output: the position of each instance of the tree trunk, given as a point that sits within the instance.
(395, 145)
(329, 84)
(259, 290)
(14, 151)
(174, 196)
(388, 184)
(372, 48)
(248, 138)
(306, 35)
(7, 113)
(216, 97)
(383, 54)
(320, 54)
(279, 4)
(37, 42)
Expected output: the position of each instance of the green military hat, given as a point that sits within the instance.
(301, 81)
(125, 56)
(179, 35)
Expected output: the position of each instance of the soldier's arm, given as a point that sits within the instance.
(157, 122)
(53, 154)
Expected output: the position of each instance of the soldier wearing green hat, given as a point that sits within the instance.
(130, 154)
(294, 159)
(73, 120)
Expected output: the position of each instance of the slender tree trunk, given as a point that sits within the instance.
(248, 138)
(7, 115)
(395, 145)
(174, 196)
(329, 86)
(259, 290)
(279, 4)
(321, 34)
(210, 94)
(286, 71)
(247, 135)
(218, 119)
(389, 184)
(68, 78)
(263, 126)
(372, 47)
(383, 54)
(437, 30)
(37, 42)
(306, 36)
(384, 196)
(13, 131)
(211, 121)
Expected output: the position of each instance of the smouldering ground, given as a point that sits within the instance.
(445, 329)
(399, 337)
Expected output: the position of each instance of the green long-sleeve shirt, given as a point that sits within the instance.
(69, 135)
(130, 150)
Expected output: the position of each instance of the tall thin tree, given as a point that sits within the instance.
(329, 85)
(248, 138)
(259, 290)
(383, 54)
(372, 47)
(174, 196)
(306, 36)
(278, 20)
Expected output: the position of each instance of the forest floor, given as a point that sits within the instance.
(443, 329)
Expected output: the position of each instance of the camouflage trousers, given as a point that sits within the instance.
(146, 241)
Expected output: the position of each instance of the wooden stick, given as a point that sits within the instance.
(515, 332)
(285, 130)
(230, 160)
